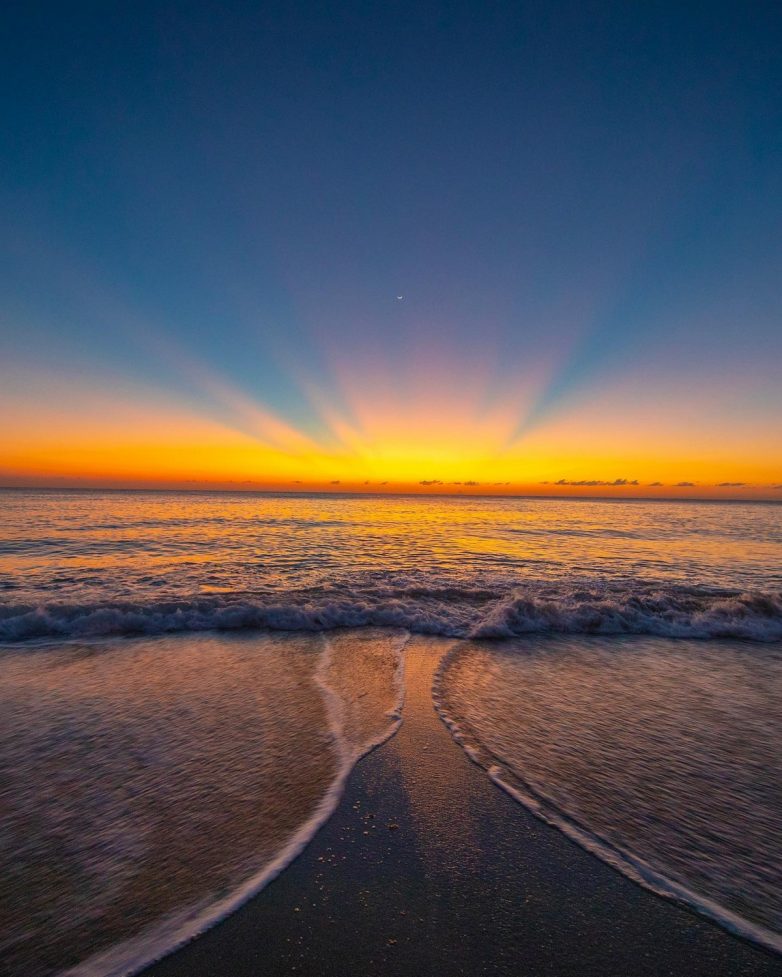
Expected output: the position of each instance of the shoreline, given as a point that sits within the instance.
(425, 866)
(625, 862)
(134, 956)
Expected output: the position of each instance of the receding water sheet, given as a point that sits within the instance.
(363, 672)
(146, 785)
(664, 757)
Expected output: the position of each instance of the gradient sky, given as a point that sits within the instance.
(208, 212)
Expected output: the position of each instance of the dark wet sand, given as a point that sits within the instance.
(468, 883)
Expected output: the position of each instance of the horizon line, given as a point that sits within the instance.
(218, 490)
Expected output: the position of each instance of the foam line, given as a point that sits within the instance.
(132, 956)
(627, 607)
(624, 861)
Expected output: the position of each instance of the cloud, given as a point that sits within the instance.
(776, 486)
(655, 484)
(336, 481)
(731, 484)
(472, 483)
(430, 481)
(685, 485)
(592, 482)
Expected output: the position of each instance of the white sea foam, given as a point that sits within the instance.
(554, 607)
(132, 956)
(672, 613)
(733, 867)
(357, 721)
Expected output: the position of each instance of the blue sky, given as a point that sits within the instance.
(566, 195)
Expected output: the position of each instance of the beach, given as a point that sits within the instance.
(289, 734)
(428, 867)
(391, 490)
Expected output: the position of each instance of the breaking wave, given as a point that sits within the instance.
(607, 608)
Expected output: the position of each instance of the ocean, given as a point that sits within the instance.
(76, 564)
(187, 680)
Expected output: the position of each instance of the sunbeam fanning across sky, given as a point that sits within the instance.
(480, 248)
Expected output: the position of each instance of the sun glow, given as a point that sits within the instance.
(436, 437)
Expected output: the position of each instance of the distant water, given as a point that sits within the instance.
(98, 563)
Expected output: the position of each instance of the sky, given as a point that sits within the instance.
(458, 247)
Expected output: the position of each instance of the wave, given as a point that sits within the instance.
(609, 608)
(679, 613)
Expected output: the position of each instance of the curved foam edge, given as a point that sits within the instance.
(399, 683)
(132, 956)
(623, 861)
(334, 705)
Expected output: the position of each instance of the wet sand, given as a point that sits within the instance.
(662, 757)
(428, 868)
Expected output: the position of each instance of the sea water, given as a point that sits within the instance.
(75, 564)
(186, 680)
(149, 786)
(663, 757)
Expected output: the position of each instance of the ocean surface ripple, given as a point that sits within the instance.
(78, 564)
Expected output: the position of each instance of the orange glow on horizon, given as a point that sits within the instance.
(436, 440)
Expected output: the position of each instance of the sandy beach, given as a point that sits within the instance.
(391, 489)
(427, 867)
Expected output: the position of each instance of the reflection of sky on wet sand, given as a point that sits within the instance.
(364, 673)
(431, 781)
